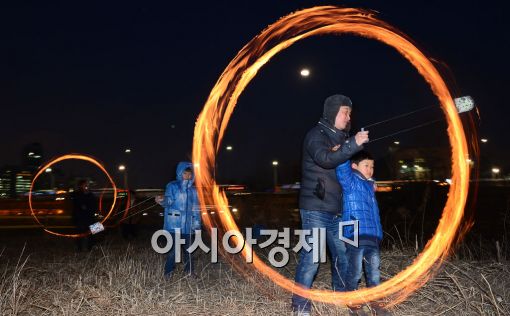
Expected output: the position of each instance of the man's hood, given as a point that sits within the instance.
(332, 105)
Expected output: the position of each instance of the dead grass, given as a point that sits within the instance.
(46, 277)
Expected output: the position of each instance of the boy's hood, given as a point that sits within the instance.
(183, 165)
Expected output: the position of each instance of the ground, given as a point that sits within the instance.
(43, 275)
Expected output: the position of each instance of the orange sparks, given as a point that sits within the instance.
(213, 120)
(71, 157)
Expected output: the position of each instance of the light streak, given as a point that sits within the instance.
(71, 157)
(212, 122)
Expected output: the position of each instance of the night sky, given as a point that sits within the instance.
(98, 78)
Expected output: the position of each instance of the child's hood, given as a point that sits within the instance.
(183, 165)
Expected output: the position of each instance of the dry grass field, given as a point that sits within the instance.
(43, 275)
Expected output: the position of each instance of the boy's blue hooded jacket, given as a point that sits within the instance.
(182, 208)
(359, 203)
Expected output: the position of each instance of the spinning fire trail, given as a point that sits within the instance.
(71, 157)
(217, 111)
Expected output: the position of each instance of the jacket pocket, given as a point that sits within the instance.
(173, 220)
(320, 189)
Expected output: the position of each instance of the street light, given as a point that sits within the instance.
(484, 140)
(229, 148)
(127, 151)
(305, 72)
(396, 142)
(495, 172)
(123, 169)
(275, 174)
(52, 177)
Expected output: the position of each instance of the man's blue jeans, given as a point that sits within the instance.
(185, 255)
(355, 257)
(307, 269)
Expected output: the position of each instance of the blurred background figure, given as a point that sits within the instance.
(84, 209)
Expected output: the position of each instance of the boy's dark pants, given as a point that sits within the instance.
(185, 255)
(367, 253)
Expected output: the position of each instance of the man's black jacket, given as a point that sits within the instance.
(320, 189)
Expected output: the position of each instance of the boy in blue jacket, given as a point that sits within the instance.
(182, 213)
(359, 203)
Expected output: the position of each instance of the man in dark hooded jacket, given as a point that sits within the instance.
(326, 146)
(84, 208)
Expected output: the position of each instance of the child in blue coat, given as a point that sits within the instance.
(359, 203)
(182, 213)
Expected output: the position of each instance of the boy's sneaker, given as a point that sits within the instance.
(379, 309)
(356, 310)
(301, 313)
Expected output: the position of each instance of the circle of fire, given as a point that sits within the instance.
(71, 157)
(213, 120)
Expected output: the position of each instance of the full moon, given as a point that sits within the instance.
(305, 72)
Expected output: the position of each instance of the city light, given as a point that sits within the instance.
(229, 148)
(396, 142)
(404, 166)
(275, 163)
(127, 151)
(122, 168)
(484, 140)
(48, 170)
(495, 170)
(305, 72)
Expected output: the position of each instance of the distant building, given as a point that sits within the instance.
(7, 190)
(421, 163)
(14, 182)
(23, 182)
